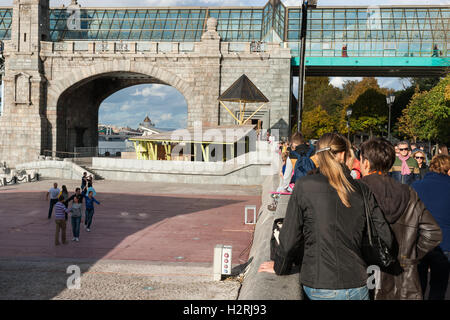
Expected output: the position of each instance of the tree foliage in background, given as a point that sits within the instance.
(319, 91)
(420, 111)
(369, 111)
(317, 122)
(424, 84)
(427, 116)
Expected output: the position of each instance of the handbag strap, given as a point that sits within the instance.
(371, 232)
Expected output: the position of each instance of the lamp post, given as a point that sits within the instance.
(349, 114)
(301, 71)
(390, 101)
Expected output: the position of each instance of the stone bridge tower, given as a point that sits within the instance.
(22, 124)
(53, 89)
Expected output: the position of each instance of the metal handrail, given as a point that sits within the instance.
(55, 153)
(16, 180)
(375, 53)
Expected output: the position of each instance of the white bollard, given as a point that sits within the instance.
(247, 209)
(217, 267)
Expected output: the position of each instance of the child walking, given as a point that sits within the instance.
(60, 220)
(76, 218)
(89, 210)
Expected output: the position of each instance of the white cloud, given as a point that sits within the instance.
(338, 82)
(166, 116)
(155, 90)
(126, 107)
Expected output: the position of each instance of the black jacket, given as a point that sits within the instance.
(423, 171)
(327, 235)
(416, 233)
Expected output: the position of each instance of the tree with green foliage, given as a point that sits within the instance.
(427, 116)
(319, 91)
(369, 110)
(317, 122)
(424, 84)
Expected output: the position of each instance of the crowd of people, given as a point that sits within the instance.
(405, 193)
(60, 201)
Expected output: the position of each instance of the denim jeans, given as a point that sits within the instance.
(52, 204)
(342, 294)
(76, 226)
(89, 215)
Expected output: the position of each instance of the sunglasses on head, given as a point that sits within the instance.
(403, 149)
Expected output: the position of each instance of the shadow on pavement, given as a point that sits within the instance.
(125, 227)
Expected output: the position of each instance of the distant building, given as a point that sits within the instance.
(147, 123)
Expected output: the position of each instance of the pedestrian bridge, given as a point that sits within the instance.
(60, 64)
(370, 41)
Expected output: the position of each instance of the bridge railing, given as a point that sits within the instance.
(125, 47)
(372, 53)
(128, 47)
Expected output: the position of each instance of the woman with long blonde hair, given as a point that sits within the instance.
(324, 226)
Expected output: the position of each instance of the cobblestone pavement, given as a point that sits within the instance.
(147, 242)
(119, 280)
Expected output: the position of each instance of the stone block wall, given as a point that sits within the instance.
(48, 85)
(271, 74)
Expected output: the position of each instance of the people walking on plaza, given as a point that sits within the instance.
(78, 195)
(84, 180)
(90, 200)
(324, 226)
(75, 218)
(60, 220)
(65, 194)
(434, 191)
(405, 168)
(53, 193)
(416, 231)
(90, 188)
(420, 157)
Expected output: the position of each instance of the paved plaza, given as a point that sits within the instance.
(148, 241)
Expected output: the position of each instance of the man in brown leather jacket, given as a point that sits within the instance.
(414, 227)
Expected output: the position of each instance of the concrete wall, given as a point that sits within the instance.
(268, 286)
(245, 170)
(55, 169)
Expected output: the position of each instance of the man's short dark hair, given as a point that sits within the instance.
(297, 138)
(403, 142)
(380, 153)
(77, 189)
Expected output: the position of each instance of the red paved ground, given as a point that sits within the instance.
(130, 227)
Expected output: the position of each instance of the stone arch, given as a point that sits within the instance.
(59, 85)
(61, 89)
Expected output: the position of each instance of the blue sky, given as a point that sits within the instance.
(165, 105)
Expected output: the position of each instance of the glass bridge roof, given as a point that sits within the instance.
(396, 31)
